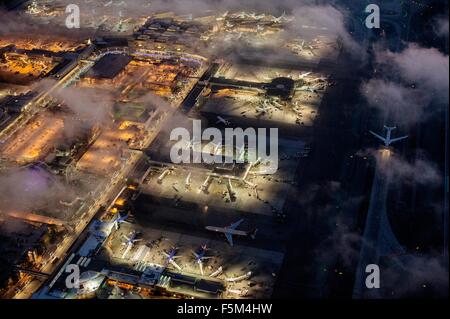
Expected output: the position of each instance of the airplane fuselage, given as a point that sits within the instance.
(227, 231)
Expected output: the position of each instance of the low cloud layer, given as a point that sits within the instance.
(411, 85)
(31, 188)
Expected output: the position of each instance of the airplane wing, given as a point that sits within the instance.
(235, 225)
(378, 136)
(195, 254)
(175, 265)
(209, 257)
(229, 238)
(398, 139)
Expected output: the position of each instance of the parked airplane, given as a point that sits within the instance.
(281, 18)
(229, 24)
(130, 242)
(171, 256)
(132, 239)
(121, 220)
(187, 182)
(307, 89)
(253, 15)
(304, 75)
(229, 231)
(240, 15)
(200, 256)
(222, 120)
(388, 140)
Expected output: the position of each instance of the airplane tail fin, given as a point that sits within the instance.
(252, 233)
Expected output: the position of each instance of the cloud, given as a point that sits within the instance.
(428, 68)
(417, 275)
(328, 17)
(89, 105)
(31, 188)
(411, 86)
(401, 105)
(421, 170)
(441, 26)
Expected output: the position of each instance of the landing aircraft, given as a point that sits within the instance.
(388, 140)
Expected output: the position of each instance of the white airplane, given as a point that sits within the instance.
(191, 144)
(262, 109)
(132, 239)
(215, 147)
(388, 140)
(130, 242)
(229, 231)
(304, 75)
(280, 18)
(259, 28)
(253, 15)
(187, 182)
(121, 220)
(241, 152)
(229, 24)
(241, 15)
(307, 89)
(171, 256)
(223, 121)
(320, 79)
(200, 256)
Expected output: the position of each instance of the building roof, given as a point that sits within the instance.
(109, 66)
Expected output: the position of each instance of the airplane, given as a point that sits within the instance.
(216, 147)
(171, 256)
(304, 75)
(229, 24)
(131, 240)
(320, 79)
(241, 15)
(200, 256)
(229, 231)
(259, 28)
(240, 152)
(307, 89)
(187, 182)
(263, 109)
(280, 18)
(253, 15)
(222, 120)
(192, 143)
(121, 219)
(388, 140)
